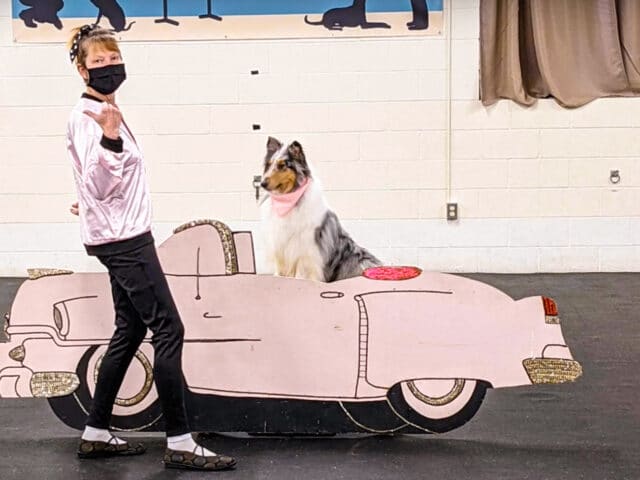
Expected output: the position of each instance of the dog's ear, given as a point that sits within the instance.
(273, 145)
(297, 154)
(295, 151)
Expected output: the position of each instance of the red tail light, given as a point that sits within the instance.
(550, 307)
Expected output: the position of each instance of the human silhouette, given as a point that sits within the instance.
(420, 15)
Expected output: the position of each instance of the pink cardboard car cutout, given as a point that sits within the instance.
(273, 354)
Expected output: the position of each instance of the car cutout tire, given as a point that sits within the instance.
(437, 405)
(138, 411)
(138, 391)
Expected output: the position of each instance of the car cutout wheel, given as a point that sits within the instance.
(141, 392)
(424, 394)
(135, 412)
(437, 405)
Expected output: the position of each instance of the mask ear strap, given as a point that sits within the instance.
(77, 40)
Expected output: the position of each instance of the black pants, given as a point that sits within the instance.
(142, 300)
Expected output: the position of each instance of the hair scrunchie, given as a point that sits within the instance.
(75, 45)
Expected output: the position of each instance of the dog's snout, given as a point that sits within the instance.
(264, 183)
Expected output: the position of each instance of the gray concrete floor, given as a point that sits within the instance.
(586, 430)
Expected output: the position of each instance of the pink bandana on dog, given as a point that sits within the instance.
(283, 203)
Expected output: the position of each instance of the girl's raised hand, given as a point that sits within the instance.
(109, 120)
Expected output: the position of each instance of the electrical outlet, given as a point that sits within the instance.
(452, 211)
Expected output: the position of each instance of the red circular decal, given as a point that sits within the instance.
(392, 273)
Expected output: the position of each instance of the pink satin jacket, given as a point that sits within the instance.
(110, 178)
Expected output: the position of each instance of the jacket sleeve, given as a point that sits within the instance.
(101, 159)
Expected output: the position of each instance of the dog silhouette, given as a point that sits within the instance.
(114, 13)
(353, 16)
(41, 11)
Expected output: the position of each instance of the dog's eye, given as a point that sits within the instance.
(281, 166)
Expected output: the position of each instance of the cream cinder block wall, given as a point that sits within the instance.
(532, 184)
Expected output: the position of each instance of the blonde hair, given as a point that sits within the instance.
(96, 36)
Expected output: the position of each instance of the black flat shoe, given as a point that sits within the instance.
(87, 449)
(193, 461)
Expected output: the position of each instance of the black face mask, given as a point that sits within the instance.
(106, 80)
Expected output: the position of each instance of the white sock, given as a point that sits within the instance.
(186, 443)
(91, 434)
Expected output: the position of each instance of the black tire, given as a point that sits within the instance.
(68, 410)
(73, 409)
(437, 425)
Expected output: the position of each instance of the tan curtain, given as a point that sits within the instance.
(572, 50)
